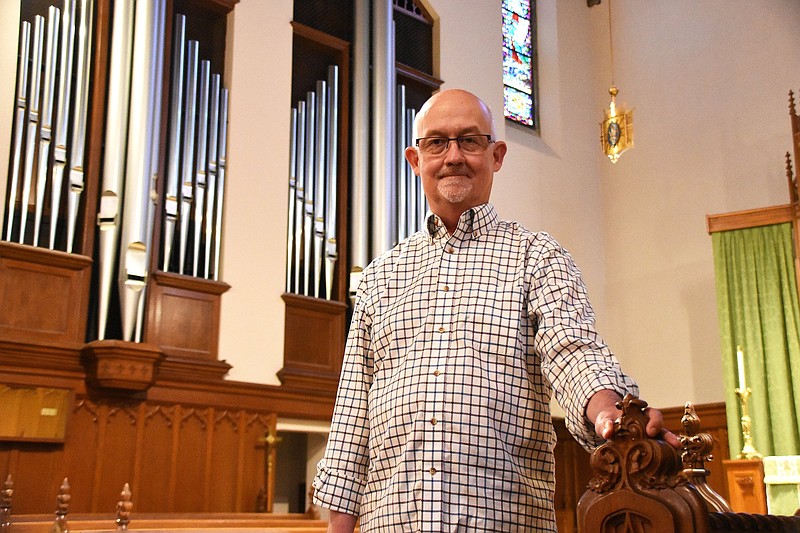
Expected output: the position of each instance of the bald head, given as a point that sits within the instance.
(455, 98)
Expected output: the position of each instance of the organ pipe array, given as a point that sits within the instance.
(311, 246)
(54, 55)
(381, 129)
(49, 147)
(410, 202)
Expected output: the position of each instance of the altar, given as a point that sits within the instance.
(782, 480)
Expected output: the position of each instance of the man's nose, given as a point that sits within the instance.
(453, 151)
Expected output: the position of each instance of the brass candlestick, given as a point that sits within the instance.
(748, 451)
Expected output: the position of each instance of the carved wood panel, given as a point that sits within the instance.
(176, 458)
(157, 436)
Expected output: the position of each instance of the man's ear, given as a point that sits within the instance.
(412, 156)
(498, 154)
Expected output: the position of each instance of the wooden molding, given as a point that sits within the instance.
(114, 364)
(751, 218)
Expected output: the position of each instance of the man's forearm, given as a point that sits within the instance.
(341, 522)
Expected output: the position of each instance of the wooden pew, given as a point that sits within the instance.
(642, 485)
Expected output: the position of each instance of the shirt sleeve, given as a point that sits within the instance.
(575, 359)
(342, 472)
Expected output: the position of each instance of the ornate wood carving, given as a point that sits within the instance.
(121, 365)
(636, 486)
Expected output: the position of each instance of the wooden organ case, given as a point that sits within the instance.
(154, 409)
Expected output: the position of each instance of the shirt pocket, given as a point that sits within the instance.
(493, 322)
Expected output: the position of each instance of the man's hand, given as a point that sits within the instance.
(602, 410)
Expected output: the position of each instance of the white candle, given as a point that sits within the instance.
(740, 366)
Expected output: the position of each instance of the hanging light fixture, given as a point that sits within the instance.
(616, 129)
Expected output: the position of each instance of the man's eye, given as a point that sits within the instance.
(436, 142)
(468, 141)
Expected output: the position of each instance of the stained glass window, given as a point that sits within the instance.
(519, 61)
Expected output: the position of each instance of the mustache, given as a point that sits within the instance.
(457, 170)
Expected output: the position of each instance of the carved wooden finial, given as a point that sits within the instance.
(124, 506)
(791, 103)
(5, 505)
(696, 446)
(60, 525)
(696, 450)
(794, 192)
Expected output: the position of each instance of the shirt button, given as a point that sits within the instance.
(436, 373)
(441, 330)
(445, 288)
(432, 471)
(450, 250)
(434, 421)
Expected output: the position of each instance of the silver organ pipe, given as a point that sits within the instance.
(211, 176)
(320, 182)
(46, 122)
(401, 208)
(177, 111)
(134, 252)
(332, 169)
(383, 217)
(359, 220)
(33, 121)
(308, 212)
(290, 233)
(200, 165)
(222, 158)
(187, 156)
(21, 105)
(108, 217)
(151, 189)
(62, 118)
(80, 115)
(300, 199)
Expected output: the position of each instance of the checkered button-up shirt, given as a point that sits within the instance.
(442, 418)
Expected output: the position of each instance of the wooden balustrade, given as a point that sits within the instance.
(125, 519)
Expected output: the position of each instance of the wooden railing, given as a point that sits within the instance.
(644, 485)
(126, 519)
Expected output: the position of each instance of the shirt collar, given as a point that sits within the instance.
(472, 223)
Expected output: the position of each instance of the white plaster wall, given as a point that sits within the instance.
(709, 83)
(260, 68)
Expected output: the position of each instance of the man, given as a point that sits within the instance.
(459, 335)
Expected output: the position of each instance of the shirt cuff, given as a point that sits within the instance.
(337, 491)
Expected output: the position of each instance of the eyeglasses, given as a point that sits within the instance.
(469, 144)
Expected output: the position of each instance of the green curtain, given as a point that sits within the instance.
(758, 310)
